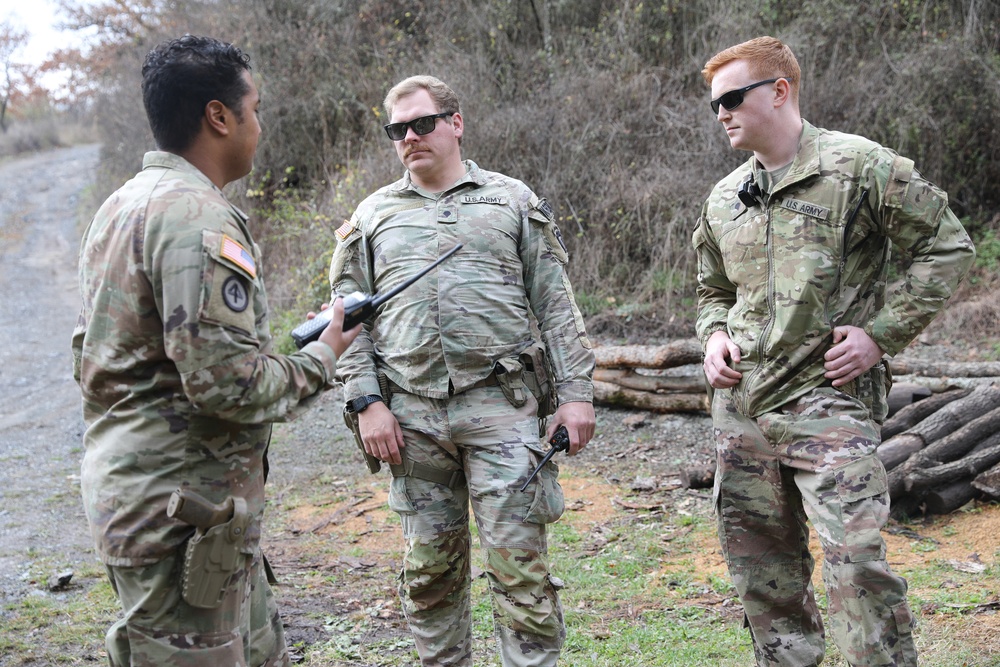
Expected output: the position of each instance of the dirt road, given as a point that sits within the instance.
(41, 517)
(43, 531)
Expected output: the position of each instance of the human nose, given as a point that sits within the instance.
(411, 134)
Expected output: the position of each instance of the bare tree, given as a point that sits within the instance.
(11, 39)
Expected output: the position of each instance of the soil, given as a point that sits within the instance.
(332, 542)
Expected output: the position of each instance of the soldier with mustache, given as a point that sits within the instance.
(456, 413)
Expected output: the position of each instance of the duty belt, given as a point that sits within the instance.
(488, 381)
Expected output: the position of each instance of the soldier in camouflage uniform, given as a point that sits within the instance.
(460, 425)
(793, 250)
(172, 353)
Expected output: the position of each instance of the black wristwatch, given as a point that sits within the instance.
(361, 403)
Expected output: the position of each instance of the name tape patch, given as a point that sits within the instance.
(483, 199)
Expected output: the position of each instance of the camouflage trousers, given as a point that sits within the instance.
(480, 436)
(813, 459)
(160, 629)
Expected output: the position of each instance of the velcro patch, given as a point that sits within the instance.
(805, 208)
(234, 294)
(345, 230)
(238, 255)
(483, 199)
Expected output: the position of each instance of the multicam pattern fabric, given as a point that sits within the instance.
(171, 352)
(160, 630)
(475, 308)
(814, 459)
(811, 255)
(779, 277)
(478, 433)
(435, 341)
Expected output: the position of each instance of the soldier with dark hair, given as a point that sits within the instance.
(795, 315)
(172, 352)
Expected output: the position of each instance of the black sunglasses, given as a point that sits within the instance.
(421, 126)
(734, 98)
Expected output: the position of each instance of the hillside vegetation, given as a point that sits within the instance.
(598, 105)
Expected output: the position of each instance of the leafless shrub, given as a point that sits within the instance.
(599, 106)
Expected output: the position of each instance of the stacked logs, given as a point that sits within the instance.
(631, 377)
(941, 444)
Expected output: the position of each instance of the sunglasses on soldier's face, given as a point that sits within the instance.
(421, 126)
(734, 98)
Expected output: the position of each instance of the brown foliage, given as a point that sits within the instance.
(599, 106)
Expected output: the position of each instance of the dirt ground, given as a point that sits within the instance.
(331, 540)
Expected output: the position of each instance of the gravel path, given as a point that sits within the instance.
(41, 517)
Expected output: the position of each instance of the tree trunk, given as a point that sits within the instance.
(912, 414)
(898, 449)
(615, 395)
(919, 479)
(655, 383)
(676, 353)
(904, 394)
(989, 482)
(942, 423)
(950, 497)
(976, 369)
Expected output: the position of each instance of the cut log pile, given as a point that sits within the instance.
(940, 445)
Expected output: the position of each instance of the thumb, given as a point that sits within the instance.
(839, 334)
(734, 352)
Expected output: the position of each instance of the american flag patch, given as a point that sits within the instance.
(345, 230)
(238, 255)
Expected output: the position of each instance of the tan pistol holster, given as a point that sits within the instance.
(215, 552)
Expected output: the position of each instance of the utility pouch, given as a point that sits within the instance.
(509, 377)
(211, 558)
(538, 380)
(873, 390)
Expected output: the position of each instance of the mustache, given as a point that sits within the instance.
(412, 148)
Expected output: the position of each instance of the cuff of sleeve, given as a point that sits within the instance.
(885, 343)
(573, 392)
(325, 355)
(365, 385)
(708, 333)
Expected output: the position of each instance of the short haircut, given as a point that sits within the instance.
(766, 58)
(443, 96)
(180, 77)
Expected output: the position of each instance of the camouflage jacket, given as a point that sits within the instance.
(814, 254)
(476, 308)
(171, 354)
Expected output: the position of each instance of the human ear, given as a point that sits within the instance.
(782, 91)
(216, 115)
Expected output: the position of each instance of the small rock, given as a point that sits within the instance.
(60, 581)
(636, 421)
(643, 484)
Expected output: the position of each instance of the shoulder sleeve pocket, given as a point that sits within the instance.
(228, 283)
(540, 213)
(899, 181)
